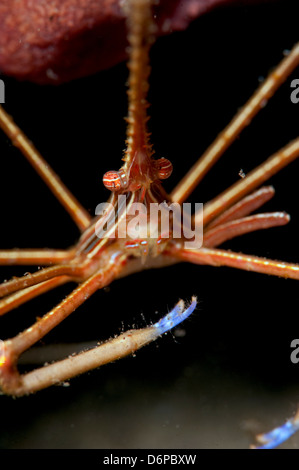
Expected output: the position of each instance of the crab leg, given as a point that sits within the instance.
(9, 377)
(217, 257)
(34, 256)
(39, 276)
(253, 179)
(235, 228)
(64, 196)
(121, 346)
(33, 334)
(18, 298)
(239, 122)
(244, 207)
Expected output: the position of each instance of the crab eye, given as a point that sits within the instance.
(112, 180)
(115, 180)
(164, 168)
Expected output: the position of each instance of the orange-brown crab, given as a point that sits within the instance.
(232, 208)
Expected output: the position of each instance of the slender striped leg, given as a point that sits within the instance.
(239, 122)
(121, 346)
(34, 257)
(253, 179)
(64, 196)
(19, 290)
(10, 379)
(218, 257)
(220, 234)
(19, 298)
(29, 280)
(244, 207)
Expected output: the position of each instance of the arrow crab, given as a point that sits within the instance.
(94, 263)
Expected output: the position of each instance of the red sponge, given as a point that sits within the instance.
(59, 40)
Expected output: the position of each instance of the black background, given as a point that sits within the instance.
(230, 375)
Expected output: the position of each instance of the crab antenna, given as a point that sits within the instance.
(141, 36)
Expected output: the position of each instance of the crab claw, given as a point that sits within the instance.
(278, 435)
(175, 316)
